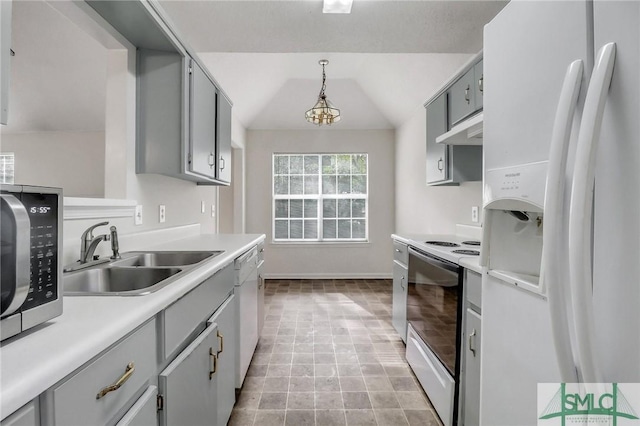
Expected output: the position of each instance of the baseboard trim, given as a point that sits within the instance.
(328, 276)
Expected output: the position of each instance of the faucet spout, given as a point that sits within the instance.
(88, 255)
(88, 242)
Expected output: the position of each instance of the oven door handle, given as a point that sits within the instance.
(22, 249)
(433, 261)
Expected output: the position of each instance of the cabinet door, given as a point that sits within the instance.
(143, 412)
(189, 385)
(478, 84)
(260, 297)
(25, 416)
(246, 324)
(472, 369)
(399, 308)
(437, 154)
(202, 122)
(462, 98)
(224, 139)
(227, 353)
(5, 58)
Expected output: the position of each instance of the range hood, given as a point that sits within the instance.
(468, 132)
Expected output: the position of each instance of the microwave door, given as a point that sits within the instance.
(15, 254)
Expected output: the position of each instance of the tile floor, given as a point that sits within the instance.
(328, 355)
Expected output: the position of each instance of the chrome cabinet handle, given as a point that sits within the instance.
(128, 372)
(401, 279)
(466, 94)
(471, 340)
(212, 160)
(221, 337)
(398, 251)
(440, 164)
(223, 163)
(215, 363)
(481, 84)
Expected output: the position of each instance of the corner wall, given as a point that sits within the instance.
(323, 260)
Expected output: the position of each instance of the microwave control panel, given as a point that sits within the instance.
(43, 214)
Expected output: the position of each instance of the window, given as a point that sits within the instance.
(6, 167)
(320, 197)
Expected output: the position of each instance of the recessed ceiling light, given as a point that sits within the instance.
(337, 6)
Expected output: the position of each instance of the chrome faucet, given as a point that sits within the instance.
(89, 243)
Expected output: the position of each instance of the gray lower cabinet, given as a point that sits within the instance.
(27, 415)
(227, 353)
(399, 301)
(144, 411)
(472, 368)
(5, 59)
(189, 385)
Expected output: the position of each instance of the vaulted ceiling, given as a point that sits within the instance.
(386, 59)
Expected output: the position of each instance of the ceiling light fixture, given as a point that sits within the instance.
(337, 6)
(323, 112)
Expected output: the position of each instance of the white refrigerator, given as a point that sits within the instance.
(561, 235)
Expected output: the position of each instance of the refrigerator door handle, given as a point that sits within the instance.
(551, 276)
(580, 214)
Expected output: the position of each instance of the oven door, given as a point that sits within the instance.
(433, 305)
(15, 252)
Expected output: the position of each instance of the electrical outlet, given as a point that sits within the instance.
(138, 215)
(474, 214)
(203, 207)
(161, 213)
(213, 210)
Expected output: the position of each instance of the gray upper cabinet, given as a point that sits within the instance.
(462, 98)
(478, 84)
(5, 59)
(437, 153)
(202, 115)
(224, 139)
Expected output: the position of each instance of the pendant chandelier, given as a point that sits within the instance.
(323, 112)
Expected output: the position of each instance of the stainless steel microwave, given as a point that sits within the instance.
(31, 258)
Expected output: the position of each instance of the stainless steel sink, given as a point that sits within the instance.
(164, 258)
(117, 281)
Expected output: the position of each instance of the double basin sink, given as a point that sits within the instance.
(135, 274)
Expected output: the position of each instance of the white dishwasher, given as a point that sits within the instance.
(246, 291)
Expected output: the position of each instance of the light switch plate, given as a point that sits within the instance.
(161, 213)
(138, 215)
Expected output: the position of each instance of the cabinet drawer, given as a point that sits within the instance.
(473, 282)
(25, 416)
(400, 252)
(76, 400)
(193, 309)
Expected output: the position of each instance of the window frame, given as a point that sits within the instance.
(319, 198)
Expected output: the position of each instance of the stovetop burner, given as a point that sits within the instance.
(442, 243)
(471, 243)
(467, 252)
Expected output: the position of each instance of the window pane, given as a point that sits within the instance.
(311, 185)
(344, 164)
(296, 165)
(329, 208)
(310, 208)
(359, 228)
(344, 184)
(311, 164)
(311, 229)
(329, 229)
(344, 229)
(344, 208)
(282, 208)
(358, 208)
(359, 163)
(359, 185)
(281, 165)
(295, 208)
(281, 184)
(295, 229)
(282, 229)
(296, 185)
(328, 164)
(328, 184)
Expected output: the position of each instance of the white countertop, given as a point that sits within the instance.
(33, 361)
(472, 263)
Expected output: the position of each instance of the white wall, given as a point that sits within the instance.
(421, 208)
(71, 160)
(351, 260)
